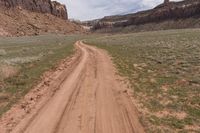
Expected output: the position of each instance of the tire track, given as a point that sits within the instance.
(90, 100)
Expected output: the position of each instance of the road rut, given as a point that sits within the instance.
(89, 100)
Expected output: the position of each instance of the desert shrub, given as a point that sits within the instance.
(2, 52)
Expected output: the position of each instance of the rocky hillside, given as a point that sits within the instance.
(33, 17)
(165, 16)
(41, 6)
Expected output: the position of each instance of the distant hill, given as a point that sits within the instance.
(169, 15)
(33, 17)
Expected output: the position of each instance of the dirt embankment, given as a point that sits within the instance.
(34, 17)
(83, 95)
(42, 6)
(20, 22)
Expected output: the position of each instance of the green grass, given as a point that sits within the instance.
(32, 56)
(163, 68)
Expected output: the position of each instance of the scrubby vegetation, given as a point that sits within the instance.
(163, 69)
(2, 52)
(23, 60)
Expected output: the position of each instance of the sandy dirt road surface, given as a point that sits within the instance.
(89, 99)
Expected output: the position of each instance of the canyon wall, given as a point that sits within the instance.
(167, 12)
(41, 6)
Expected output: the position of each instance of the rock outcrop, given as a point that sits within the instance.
(35, 17)
(166, 1)
(168, 11)
(41, 6)
(59, 10)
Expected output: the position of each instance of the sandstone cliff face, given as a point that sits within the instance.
(20, 22)
(59, 10)
(168, 11)
(41, 6)
(35, 17)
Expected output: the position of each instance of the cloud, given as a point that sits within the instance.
(92, 9)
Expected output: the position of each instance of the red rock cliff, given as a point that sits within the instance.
(42, 6)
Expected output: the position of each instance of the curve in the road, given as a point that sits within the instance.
(90, 100)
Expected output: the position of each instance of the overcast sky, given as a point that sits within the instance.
(92, 9)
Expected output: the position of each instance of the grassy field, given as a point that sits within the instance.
(163, 69)
(23, 60)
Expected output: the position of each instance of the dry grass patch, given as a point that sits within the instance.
(2, 52)
(163, 70)
(24, 59)
(7, 71)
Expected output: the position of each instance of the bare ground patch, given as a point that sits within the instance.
(7, 71)
(163, 70)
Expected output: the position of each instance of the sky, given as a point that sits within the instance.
(93, 9)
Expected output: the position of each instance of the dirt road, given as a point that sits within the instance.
(89, 100)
